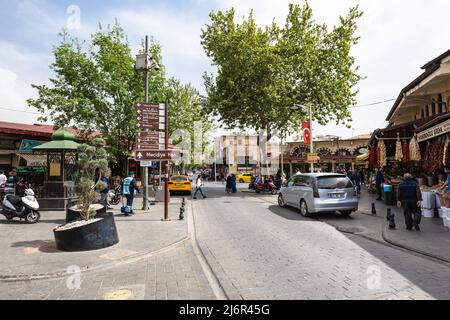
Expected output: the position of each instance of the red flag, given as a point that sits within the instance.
(306, 131)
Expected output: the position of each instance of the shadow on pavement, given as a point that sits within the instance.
(46, 246)
(289, 213)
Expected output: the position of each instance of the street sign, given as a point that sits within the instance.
(312, 157)
(146, 140)
(146, 163)
(158, 155)
(148, 116)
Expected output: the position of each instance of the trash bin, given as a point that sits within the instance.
(388, 195)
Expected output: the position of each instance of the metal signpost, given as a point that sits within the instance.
(152, 143)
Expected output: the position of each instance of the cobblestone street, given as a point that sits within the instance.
(261, 251)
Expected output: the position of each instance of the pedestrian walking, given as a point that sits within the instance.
(409, 197)
(279, 179)
(129, 188)
(229, 184)
(233, 183)
(378, 181)
(198, 187)
(3, 179)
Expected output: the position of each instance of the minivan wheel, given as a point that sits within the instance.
(346, 213)
(281, 202)
(304, 209)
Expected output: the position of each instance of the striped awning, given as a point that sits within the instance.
(34, 160)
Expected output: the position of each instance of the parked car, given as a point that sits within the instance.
(244, 177)
(319, 192)
(180, 183)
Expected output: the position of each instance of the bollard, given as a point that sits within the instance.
(374, 210)
(391, 218)
(181, 213)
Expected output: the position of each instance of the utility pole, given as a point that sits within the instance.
(145, 169)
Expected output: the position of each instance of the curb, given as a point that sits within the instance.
(220, 284)
(394, 243)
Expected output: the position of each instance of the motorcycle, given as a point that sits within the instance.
(114, 196)
(25, 207)
(264, 187)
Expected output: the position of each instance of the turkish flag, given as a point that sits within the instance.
(306, 130)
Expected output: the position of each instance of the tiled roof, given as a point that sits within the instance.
(36, 130)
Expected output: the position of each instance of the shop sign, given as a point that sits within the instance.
(26, 147)
(312, 157)
(435, 131)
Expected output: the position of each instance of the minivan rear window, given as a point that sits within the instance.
(334, 182)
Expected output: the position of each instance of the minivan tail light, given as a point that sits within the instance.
(316, 193)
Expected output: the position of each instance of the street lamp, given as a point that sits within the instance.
(309, 110)
(144, 62)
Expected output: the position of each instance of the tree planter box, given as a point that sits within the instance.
(72, 214)
(95, 234)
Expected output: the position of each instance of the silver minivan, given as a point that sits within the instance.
(319, 192)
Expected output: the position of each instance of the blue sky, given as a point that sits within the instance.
(397, 38)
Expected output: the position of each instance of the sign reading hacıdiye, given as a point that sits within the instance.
(435, 131)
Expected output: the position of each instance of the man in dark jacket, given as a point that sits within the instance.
(378, 181)
(409, 197)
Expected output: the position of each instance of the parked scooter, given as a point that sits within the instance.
(25, 207)
(115, 196)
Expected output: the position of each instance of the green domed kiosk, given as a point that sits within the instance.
(61, 152)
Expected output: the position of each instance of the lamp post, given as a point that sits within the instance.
(309, 110)
(144, 63)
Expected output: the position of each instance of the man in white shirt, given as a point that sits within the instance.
(198, 187)
(3, 179)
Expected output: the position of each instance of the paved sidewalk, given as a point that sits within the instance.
(29, 252)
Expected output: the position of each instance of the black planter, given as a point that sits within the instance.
(93, 236)
(74, 215)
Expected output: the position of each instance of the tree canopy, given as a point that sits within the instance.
(96, 87)
(263, 72)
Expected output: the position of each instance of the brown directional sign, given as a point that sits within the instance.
(157, 155)
(146, 140)
(147, 116)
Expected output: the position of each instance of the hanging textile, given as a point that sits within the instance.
(398, 151)
(405, 153)
(383, 158)
(414, 150)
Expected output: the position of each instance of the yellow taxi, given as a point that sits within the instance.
(244, 177)
(180, 183)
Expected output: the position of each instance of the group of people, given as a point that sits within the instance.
(231, 184)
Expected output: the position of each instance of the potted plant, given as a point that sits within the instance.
(89, 226)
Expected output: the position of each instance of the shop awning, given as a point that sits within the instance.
(363, 157)
(34, 160)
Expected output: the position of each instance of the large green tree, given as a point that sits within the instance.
(189, 127)
(96, 87)
(263, 72)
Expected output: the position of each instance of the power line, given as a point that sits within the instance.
(23, 111)
(371, 104)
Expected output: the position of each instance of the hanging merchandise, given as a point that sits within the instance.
(383, 159)
(398, 151)
(414, 150)
(425, 165)
(445, 160)
(373, 156)
(377, 160)
(405, 153)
